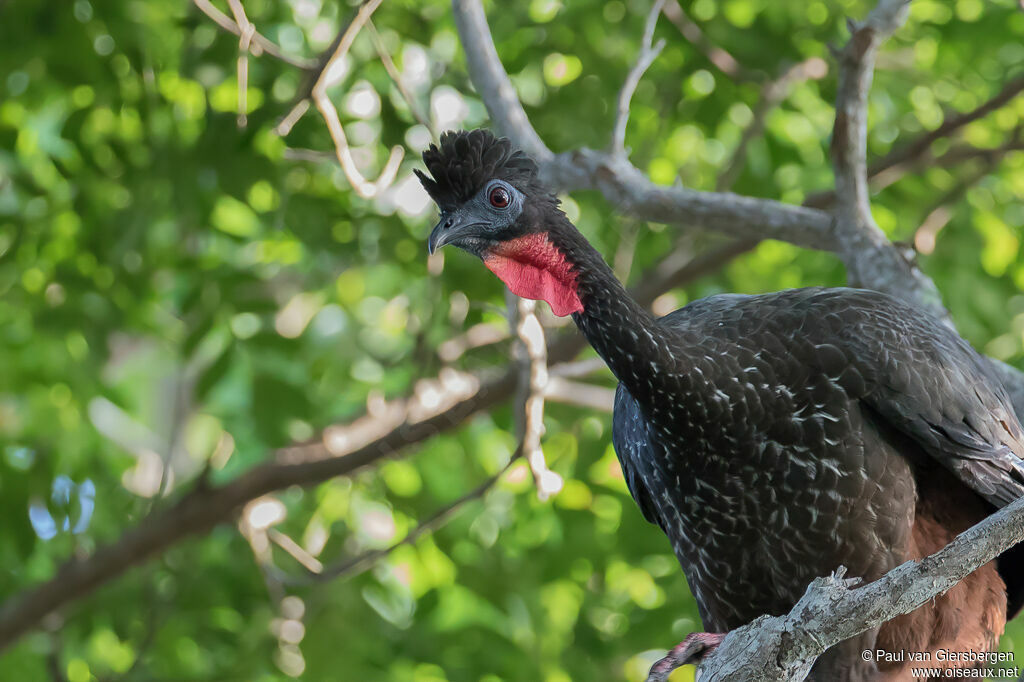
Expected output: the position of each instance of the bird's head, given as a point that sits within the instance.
(493, 206)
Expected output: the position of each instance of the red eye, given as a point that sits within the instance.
(499, 198)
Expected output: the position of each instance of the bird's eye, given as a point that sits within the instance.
(499, 197)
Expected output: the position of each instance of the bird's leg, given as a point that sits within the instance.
(693, 649)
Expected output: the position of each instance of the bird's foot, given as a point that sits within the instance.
(693, 649)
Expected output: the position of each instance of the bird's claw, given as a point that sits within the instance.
(693, 649)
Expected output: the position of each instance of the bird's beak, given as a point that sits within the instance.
(450, 229)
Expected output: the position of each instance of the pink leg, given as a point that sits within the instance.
(693, 649)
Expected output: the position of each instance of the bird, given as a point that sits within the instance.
(772, 437)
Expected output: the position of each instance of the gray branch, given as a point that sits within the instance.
(648, 53)
(783, 648)
(621, 183)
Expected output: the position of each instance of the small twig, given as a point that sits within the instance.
(955, 155)
(360, 184)
(292, 117)
(721, 59)
(648, 53)
(951, 124)
(580, 394)
(772, 94)
(941, 211)
(259, 543)
(247, 30)
(897, 163)
(259, 43)
(358, 564)
(533, 382)
(312, 155)
(396, 77)
(297, 552)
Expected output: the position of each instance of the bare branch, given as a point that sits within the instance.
(258, 44)
(721, 59)
(360, 184)
(772, 94)
(396, 77)
(619, 181)
(246, 30)
(648, 53)
(869, 257)
(533, 382)
(356, 565)
(785, 647)
(849, 139)
(492, 82)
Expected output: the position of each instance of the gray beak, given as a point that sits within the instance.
(451, 228)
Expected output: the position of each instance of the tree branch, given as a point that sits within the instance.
(898, 162)
(259, 42)
(356, 565)
(648, 53)
(721, 59)
(247, 30)
(360, 184)
(785, 647)
(621, 183)
(772, 94)
(531, 390)
(870, 259)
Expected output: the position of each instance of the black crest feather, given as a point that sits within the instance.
(466, 160)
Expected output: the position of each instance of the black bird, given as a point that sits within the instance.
(775, 437)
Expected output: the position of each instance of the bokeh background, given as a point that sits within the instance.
(181, 294)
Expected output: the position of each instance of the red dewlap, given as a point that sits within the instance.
(533, 267)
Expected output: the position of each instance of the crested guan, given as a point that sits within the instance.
(774, 437)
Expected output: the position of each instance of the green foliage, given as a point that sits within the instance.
(175, 287)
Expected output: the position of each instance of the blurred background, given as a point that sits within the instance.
(184, 291)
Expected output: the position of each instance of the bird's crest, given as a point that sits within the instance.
(466, 160)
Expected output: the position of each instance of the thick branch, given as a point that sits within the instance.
(785, 647)
(491, 81)
(870, 259)
(621, 183)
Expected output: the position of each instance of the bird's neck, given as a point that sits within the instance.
(625, 335)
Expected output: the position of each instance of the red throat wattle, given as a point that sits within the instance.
(533, 267)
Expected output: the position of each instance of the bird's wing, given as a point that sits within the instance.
(924, 380)
(636, 446)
